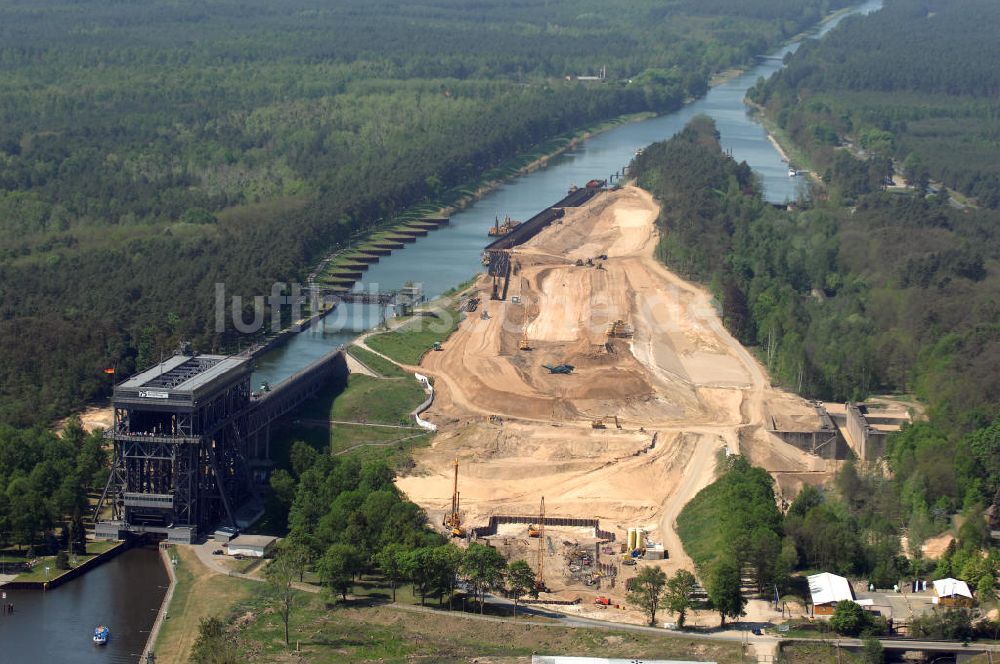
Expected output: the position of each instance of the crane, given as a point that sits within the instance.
(454, 519)
(540, 575)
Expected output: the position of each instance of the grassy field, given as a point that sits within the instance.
(408, 343)
(377, 363)
(356, 633)
(817, 653)
(38, 573)
(199, 594)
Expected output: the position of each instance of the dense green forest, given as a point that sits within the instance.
(150, 150)
(913, 88)
(894, 294)
(44, 481)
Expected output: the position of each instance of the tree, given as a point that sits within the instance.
(849, 619)
(647, 591)
(338, 567)
(520, 582)
(677, 598)
(724, 589)
(872, 651)
(483, 567)
(281, 574)
(431, 569)
(391, 561)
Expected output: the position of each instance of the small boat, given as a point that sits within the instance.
(101, 634)
(792, 172)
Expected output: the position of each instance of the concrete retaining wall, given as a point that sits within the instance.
(491, 528)
(70, 574)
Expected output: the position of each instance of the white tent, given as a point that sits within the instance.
(952, 587)
(827, 588)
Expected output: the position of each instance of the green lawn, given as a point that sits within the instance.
(377, 363)
(328, 633)
(38, 573)
(366, 399)
(408, 343)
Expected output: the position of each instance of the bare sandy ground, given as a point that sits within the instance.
(93, 417)
(681, 379)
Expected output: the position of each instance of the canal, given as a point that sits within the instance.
(125, 592)
(57, 625)
(449, 256)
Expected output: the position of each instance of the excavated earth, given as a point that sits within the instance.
(684, 390)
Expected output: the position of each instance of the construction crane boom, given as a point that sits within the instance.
(454, 519)
(540, 576)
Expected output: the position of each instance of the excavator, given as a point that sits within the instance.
(600, 424)
(454, 519)
(524, 344)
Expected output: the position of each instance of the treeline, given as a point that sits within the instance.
(893, 295)
(912, 88)
(148, 152)
(852, 528)
(44, 483)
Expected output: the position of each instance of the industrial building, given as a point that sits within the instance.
(191, 443)
(253, 546)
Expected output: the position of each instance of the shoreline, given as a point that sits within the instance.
(161, 614)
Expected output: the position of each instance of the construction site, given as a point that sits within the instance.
(593, 398)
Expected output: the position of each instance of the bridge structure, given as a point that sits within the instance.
(191, 444)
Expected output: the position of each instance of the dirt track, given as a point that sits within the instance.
(681, 377)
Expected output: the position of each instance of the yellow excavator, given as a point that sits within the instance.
(524, 344)
(454, 519)
(600, 424)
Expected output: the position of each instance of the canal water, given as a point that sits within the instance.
(57, 625)
(450, 256)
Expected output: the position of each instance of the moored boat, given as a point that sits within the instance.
(101, 634)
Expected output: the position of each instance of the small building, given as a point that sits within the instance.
(826, 590)
(952, 592)
(253, 546)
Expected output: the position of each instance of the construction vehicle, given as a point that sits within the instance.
(596, 184)
(524, 344)
(534, 531)
(599, 422)
(507, 226)
(619, 330)
(559, 368)
(437, 346)
(579, 262)
(454, 519)
(494, 419)
(603, 601)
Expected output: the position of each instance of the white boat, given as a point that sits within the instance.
(792, 172)
(101, 634)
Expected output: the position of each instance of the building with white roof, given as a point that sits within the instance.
(828, 589)
(951, 592)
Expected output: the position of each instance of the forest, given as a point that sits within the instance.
(151, 150)
(912, 89)
(894, 295)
